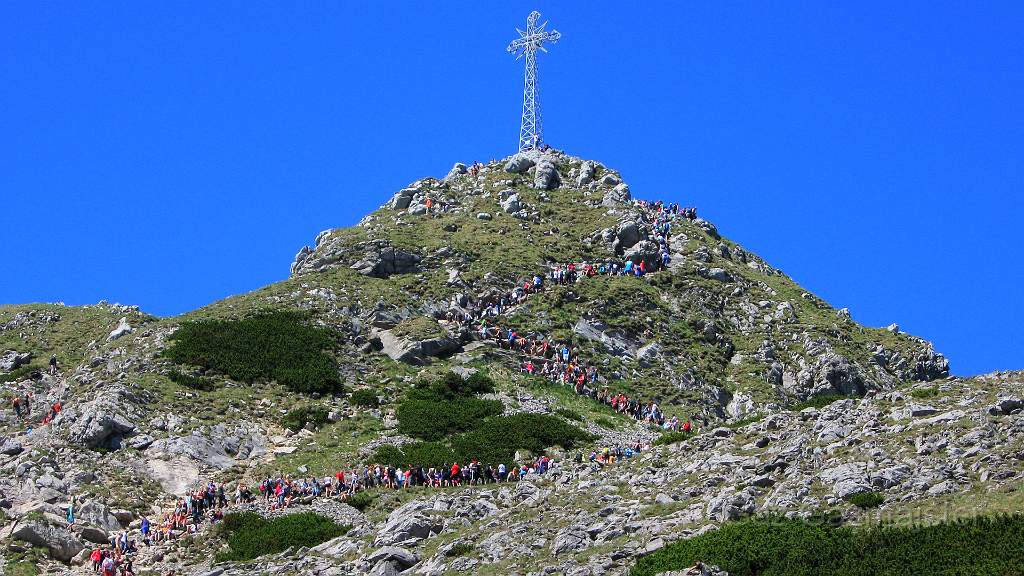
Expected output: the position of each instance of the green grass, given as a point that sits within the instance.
(279, 346)
(460, 549)
(419, 328)
(569, 414)
(775, 546)
(360, 501)
(250, 536)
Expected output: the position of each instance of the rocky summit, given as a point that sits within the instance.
(522, 367)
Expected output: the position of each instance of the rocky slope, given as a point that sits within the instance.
(719, 337)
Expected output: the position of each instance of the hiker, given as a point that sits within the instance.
(53, 365)
(17, 406)
(71, 515)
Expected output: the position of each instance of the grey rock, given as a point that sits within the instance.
(546, 177)
(101, 422)
(123, 328)
(401, 557)
(62, 544)
(519, 164)
(10, 447)
(570, 539)
(457, 170)
(616, 196)
(1006, 405)
(386, 262)
(12, 360)
(483, 216)
(719, 274)
(407, 529)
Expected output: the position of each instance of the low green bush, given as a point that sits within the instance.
(865, 500)
(297, 419)
(437, 419)
(360, 500)
(775, 546)
(494, 441)
(366, 398)
(926, 392)
(667, 438)
(280, 346)
(190, 381)
(605, 422)
(460, 549)
(249, 536)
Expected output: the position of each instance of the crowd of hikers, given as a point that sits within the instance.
(557, 361)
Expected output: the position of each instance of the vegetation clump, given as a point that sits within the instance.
(365, 398)
(190, 381)
(866, 499)
(776, 546)
(925, 392)
(667, 438)
(435, 410)
(492, 441)
(569, 414)
(279, 346)
(298, 418)
(249, 536)
(360, 500)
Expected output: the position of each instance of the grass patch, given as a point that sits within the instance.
(278, 346)
(19, 373)
(250, 536)
(866, 499)
(605, 422)
(775, 546)
(419, 328)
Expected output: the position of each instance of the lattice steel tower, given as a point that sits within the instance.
(531, 132)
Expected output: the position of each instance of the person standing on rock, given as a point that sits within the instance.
(71, 515)
(53, 365)
(17, 406)
(28, 404)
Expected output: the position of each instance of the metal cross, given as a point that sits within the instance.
(531, 131)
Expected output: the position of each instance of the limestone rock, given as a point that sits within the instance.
(546, 177)
(63, 545)
(12, 360)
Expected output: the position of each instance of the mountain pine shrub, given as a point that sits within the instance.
(279, 346)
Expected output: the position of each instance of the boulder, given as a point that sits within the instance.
(627, 235)
(519, 164)
(586, 175)
(644, 251)
(846, 479)
(415, 351)
(511, 204)
(386, 262)
(122, 329)
(97, 515)
(10, 447)
(402, 199)
(706, 226)
(401, 557)
(457, 170)
(483, 216)
(570, 539)
(407, 529)
(617, 195)
(729, 505)
(101, 423)
(546, 177)
(1006, 405)
(12, 360)
(719, 274)
(62, 544)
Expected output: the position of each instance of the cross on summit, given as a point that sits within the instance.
(531, 131)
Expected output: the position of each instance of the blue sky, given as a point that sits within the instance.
(168, 154)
